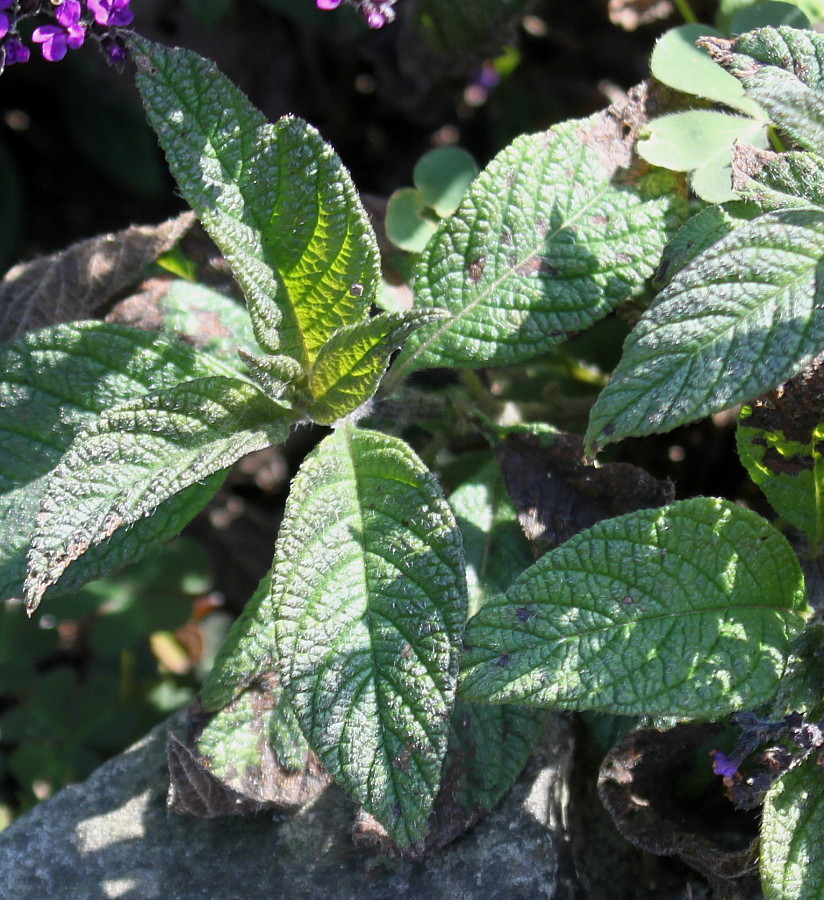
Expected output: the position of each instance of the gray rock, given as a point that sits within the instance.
(112, 837)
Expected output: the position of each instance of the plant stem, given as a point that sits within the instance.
(775, 140)
(685, 9)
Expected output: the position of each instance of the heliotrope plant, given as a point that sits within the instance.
(406, 641)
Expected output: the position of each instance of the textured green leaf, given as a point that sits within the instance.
(700, 231)
(781, 69)
(492, 745)
(247, 652)
(53, 384)
(678, 63)
(543, 245)
(684, 611)
(737, 321)
(280, 377)
(789, 472)
(792, 857)
(235, 740)
(700, 141)
(275, 199)
(138, 454)
(780, 180)
(495, 548)
(371, 601)
(350, 364)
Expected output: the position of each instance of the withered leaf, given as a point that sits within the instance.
(795, 409)
(638, 785)
(242, 788)
(557, 494)
(72, 284)
(194, 791)
(612, 133)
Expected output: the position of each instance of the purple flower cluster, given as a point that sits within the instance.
(376, 13)
(71, 22)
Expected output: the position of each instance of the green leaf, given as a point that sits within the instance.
(247, 652)
(275, 199)
(698, 233)
(280, 377)
(700, 141)
(780, 180)
(350, 364)
(684, 611)
(492, 745)
(530, 256)
(782, 69)
(53, 384)
(235, 741)
(407, 224)
(370, 606)
(679, 64)
(217, 323)
(741, 318)
(442, 176)
(789, 472)
(765, 13)
(495, 548)
(792, 859)
(138, 454)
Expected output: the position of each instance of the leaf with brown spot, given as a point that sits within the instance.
(72, 284)
(245, 758)
(488, 748)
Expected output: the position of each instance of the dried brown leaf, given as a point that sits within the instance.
(612, 133)
(194, 790)
(557, 493)
(638, 784)
(72, 284)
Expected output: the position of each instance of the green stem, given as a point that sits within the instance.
(775, 140)
(685, 9)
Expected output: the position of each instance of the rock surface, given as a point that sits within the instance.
(112, 837)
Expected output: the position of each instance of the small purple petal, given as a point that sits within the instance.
(5, 4)
(67, 13)
(75, 36)
(723, 765)
(111, 13)
(53, 39)
(328, 4)
(16, 52)
(4, 25)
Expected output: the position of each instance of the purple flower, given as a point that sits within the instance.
(16, 52)
(723, 765)
(68, 34)
(5, 22)
(376, 13)
(110, 13)
(67, 13)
